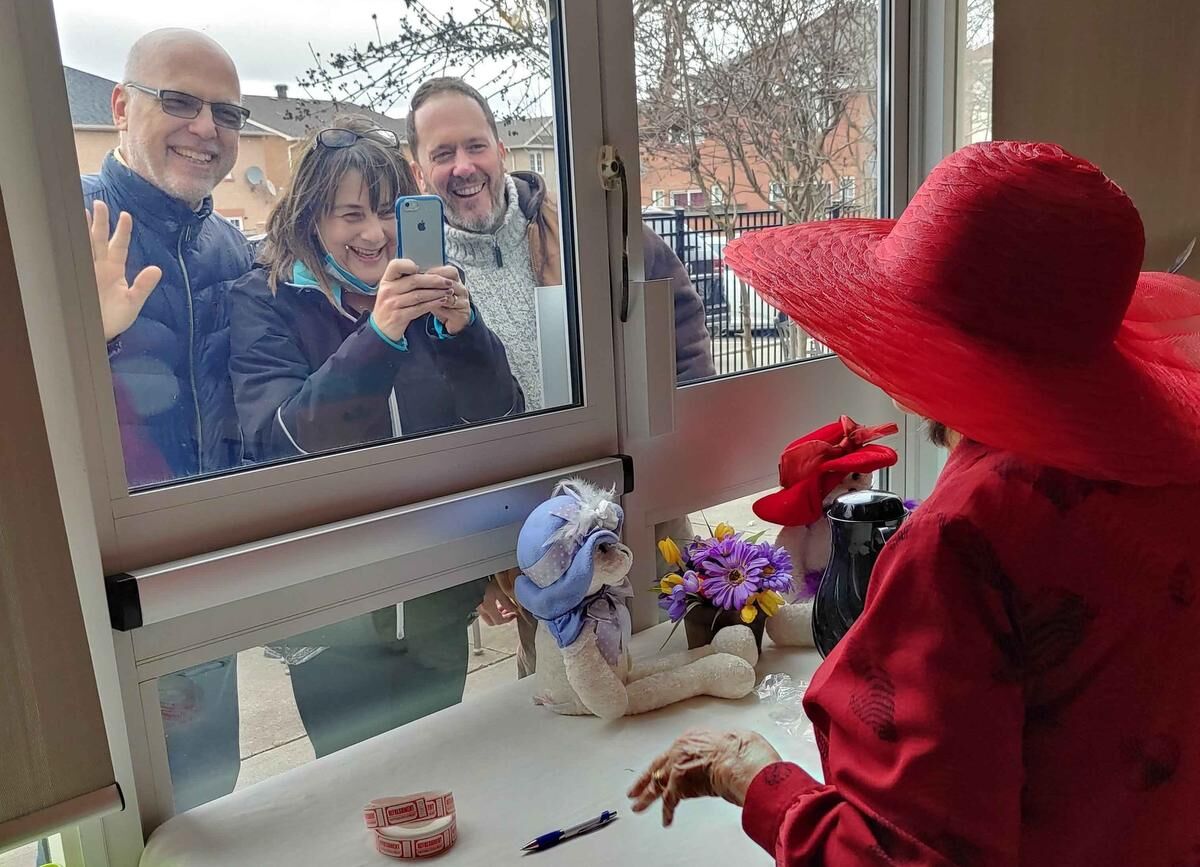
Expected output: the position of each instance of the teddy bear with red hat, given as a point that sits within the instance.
(814, 471)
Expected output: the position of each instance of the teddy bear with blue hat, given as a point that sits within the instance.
(574, 580)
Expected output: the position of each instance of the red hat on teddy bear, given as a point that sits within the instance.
(812, 466)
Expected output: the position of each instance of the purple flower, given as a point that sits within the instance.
(810, 585)
(732, 573)
(702, 549)
(777, 574)
(676, 604)
(681, 596)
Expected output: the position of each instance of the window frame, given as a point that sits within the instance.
(688, 194)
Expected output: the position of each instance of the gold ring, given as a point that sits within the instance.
(660, 776)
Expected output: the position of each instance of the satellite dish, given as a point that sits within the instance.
(270, 188)
(255, 176)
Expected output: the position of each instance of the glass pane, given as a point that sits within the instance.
(975, 35)
(47, 851)
(279, 324)
(236, 721)
(802, 148)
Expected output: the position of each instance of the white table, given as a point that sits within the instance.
(516, 771)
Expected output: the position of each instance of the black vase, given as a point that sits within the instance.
(861, 523)
(702, 622)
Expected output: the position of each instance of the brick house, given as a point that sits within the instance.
(277, 126)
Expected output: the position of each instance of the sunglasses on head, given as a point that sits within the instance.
(337, 137)
(179, 104)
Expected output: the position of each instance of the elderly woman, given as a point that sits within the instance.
(1021, 687)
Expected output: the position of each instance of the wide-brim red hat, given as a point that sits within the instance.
(1007, 303)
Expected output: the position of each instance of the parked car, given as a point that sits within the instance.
(764, 319)
(701, 257)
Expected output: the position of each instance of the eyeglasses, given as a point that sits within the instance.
(336, 137)
(179, 104)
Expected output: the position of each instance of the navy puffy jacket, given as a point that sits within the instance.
(309, 377)
(171, 367)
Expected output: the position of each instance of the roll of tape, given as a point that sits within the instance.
(413, 826)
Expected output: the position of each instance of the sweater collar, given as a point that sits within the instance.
(164, 210)
(474, 246)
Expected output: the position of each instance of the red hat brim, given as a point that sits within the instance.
(1129, 413)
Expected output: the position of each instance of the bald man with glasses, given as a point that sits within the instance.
(164, 261)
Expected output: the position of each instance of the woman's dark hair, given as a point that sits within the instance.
(292, 226)
(937, 433)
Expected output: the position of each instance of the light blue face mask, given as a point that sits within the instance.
(342, 276)
(302, 276)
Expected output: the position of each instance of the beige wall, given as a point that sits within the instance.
(237, 198)
(231, 197)
(520, 160)
(1115, 82)
(91, 146)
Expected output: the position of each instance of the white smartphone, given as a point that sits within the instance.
(420, 233)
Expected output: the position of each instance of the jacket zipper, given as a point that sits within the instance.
(186, 235)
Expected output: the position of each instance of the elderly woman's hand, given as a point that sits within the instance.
(703, 764)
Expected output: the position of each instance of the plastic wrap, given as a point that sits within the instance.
(784, 698)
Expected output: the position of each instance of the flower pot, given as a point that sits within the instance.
(702, 622)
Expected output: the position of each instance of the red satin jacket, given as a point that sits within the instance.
(1023, 687)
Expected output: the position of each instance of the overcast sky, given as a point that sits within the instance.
(268, 39)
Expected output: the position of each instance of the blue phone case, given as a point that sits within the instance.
(420, 230)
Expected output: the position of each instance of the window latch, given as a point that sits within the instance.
(612, 176)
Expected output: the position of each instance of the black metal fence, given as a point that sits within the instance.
(747, 333)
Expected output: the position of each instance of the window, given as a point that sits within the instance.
(196, 411)
(975, 38)
(658, 198)
(688, 199)
(846, 188)
(241, 416)
(827, 68)
(313, 693)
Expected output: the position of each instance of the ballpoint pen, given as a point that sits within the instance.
(546, 841)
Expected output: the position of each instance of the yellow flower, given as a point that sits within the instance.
(770, 602)
(723, 531)
(749, 612)
(670, 552)
(668, 582)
